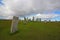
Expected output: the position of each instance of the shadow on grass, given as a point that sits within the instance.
(14, 33)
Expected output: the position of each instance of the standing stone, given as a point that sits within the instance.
(33, 18)
(14, 24)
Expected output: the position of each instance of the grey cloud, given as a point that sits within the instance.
(23, 7)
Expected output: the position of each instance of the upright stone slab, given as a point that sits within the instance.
(14, 24)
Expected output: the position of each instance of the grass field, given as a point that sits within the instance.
(30, 31)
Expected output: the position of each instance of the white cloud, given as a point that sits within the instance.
(16, 7)
(6, 17)
(9, 17)
(44, 16)
(23, 7)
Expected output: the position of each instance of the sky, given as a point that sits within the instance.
(41, 8)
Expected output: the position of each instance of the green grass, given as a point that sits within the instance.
(30, 31)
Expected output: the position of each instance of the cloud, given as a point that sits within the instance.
(6, 17)
(44, 16)
(9, 17)
(24, 7)
(17, 7)
(47, 15)
(46, 5)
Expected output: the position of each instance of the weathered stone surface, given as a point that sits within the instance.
(14, 24)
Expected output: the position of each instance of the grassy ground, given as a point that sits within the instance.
(30, 31)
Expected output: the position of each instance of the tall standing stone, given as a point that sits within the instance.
(33, 18)
(14, 24)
